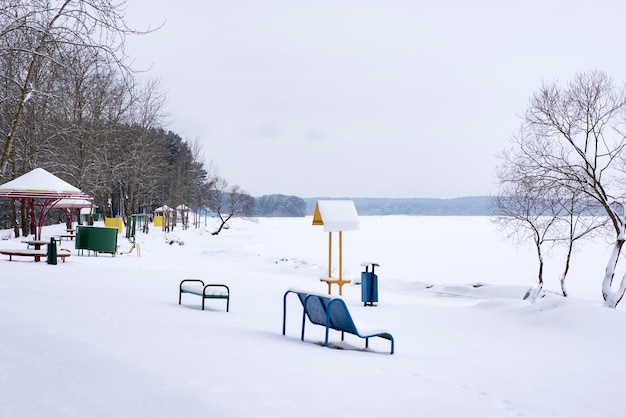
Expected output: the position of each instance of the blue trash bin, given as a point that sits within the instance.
(369, 285)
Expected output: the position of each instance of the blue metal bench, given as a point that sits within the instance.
(331, 313)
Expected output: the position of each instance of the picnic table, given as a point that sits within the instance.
(35, 243)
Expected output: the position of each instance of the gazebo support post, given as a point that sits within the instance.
(46, 206)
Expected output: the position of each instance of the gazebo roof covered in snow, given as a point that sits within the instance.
(72, 204)
(336, 215)
(163, 209)
(40, 189)
(40, 184)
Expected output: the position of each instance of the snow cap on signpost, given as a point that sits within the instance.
(336, 215)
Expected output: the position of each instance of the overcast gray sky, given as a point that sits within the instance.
(365, 98)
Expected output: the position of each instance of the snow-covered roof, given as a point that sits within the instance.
(72, 203)
(336, 215)
(164, 208)
(40, 184)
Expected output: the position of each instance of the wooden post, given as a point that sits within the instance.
(340, 255)
(330, 252)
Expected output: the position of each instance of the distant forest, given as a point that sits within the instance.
(293, 206)
(461, 206)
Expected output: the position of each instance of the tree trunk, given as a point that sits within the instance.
(221, 225)
(612, 298)
(566, 269)
(533, 295)
(25, 220)
(16, 227)
(104, 209)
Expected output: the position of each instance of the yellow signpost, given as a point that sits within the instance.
(339, 216)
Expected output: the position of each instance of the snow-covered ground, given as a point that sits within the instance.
(105, 337)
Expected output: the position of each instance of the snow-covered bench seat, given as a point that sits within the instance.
(332, 313)
(209, 291)
(36, 254)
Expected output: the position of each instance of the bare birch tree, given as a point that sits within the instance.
(524, 213)
(573, 140)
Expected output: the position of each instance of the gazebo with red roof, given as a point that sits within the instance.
(40, 189)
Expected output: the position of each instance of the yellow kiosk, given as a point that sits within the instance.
(336, 216)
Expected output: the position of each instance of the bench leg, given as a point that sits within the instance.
(326, 337)
(303, 324)
(180, 298)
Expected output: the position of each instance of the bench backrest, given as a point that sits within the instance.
(322, 310)
(315, 308)
(340, 317)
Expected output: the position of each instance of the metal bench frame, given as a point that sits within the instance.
(331, 313)
(205, 293)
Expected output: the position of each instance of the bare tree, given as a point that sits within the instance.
(573, 138)
(578, 220)
(146, 153)
(205, 178)
(524, 212)
(186, 175)
(38, 32)
(530, 203)
(69, 103)
(228, 202)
